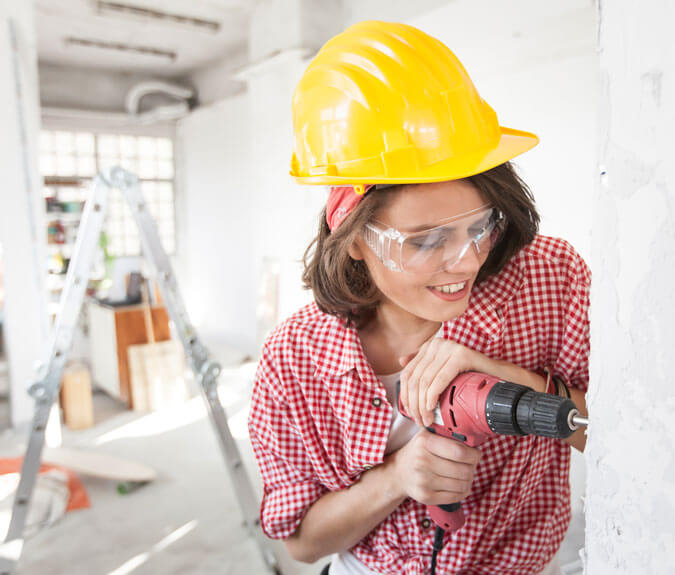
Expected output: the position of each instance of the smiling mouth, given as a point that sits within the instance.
(451, 288)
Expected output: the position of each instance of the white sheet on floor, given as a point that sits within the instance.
(48, 504)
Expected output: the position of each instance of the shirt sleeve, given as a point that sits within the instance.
(572, 361)
(290, 484)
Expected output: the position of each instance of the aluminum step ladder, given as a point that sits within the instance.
(45, 390)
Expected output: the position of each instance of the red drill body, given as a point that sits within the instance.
(476, 406)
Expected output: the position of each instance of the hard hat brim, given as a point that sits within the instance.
(512, 143)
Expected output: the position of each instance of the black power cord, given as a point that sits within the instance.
(438, 545)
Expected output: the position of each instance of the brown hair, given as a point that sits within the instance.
(343, 287)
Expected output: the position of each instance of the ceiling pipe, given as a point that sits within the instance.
(167, 112)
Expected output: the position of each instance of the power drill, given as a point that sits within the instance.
(476, 406)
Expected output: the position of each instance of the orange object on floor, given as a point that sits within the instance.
(78, 498)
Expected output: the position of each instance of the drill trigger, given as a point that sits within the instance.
(459, 437)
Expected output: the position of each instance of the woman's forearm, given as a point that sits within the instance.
(339, 520)
(578, 438)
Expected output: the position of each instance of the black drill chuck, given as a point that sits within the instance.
(513, 409)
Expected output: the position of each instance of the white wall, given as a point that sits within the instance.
(240, 207)
(21, 207)
(215, 252)
(631, 445)
(242, 212)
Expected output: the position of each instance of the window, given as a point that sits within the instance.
(68, 162)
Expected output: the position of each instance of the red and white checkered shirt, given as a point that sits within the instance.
(320, 418)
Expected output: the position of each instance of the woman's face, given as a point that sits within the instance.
(420, 294)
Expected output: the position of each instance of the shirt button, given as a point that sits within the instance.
(426, 523)
(376, 401)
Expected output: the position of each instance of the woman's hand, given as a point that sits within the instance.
(429, 372)
(433, 469)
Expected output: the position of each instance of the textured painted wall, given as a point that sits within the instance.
(631, 449)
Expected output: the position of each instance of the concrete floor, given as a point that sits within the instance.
(188, 521)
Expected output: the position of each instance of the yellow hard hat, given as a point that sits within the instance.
(386, 103)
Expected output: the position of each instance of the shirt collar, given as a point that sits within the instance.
(490, 298)
(348, 355)
(347, 350)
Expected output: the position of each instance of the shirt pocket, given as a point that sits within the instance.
(357, 428)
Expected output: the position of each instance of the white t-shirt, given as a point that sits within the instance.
(402, 428)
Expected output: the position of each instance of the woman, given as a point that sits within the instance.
(427, 263)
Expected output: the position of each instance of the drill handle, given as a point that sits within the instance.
(449, 517)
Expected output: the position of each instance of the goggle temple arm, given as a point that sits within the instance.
(380, 241)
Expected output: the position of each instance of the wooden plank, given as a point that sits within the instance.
(130, 330)
(76, 399)
(98, 464)
(157, 375)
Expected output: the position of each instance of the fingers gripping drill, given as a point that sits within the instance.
(476, 406)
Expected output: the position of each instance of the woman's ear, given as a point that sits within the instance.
(355, 251)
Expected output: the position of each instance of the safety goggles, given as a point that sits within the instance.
(437, 248)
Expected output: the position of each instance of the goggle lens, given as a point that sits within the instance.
(437, 248)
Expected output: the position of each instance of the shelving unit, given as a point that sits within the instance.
(68, 163)
(64, 200)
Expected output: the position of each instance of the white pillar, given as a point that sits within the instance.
(631, 446)
(22, 231)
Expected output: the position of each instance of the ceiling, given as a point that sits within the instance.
(164, 38)
(92, 52)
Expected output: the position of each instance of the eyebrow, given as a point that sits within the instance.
(422, 228)
(439, 223)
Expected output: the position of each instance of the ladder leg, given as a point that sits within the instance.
(206, 371)
(46, 390)
(10, 550)
(235, 465)
(203, 367)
